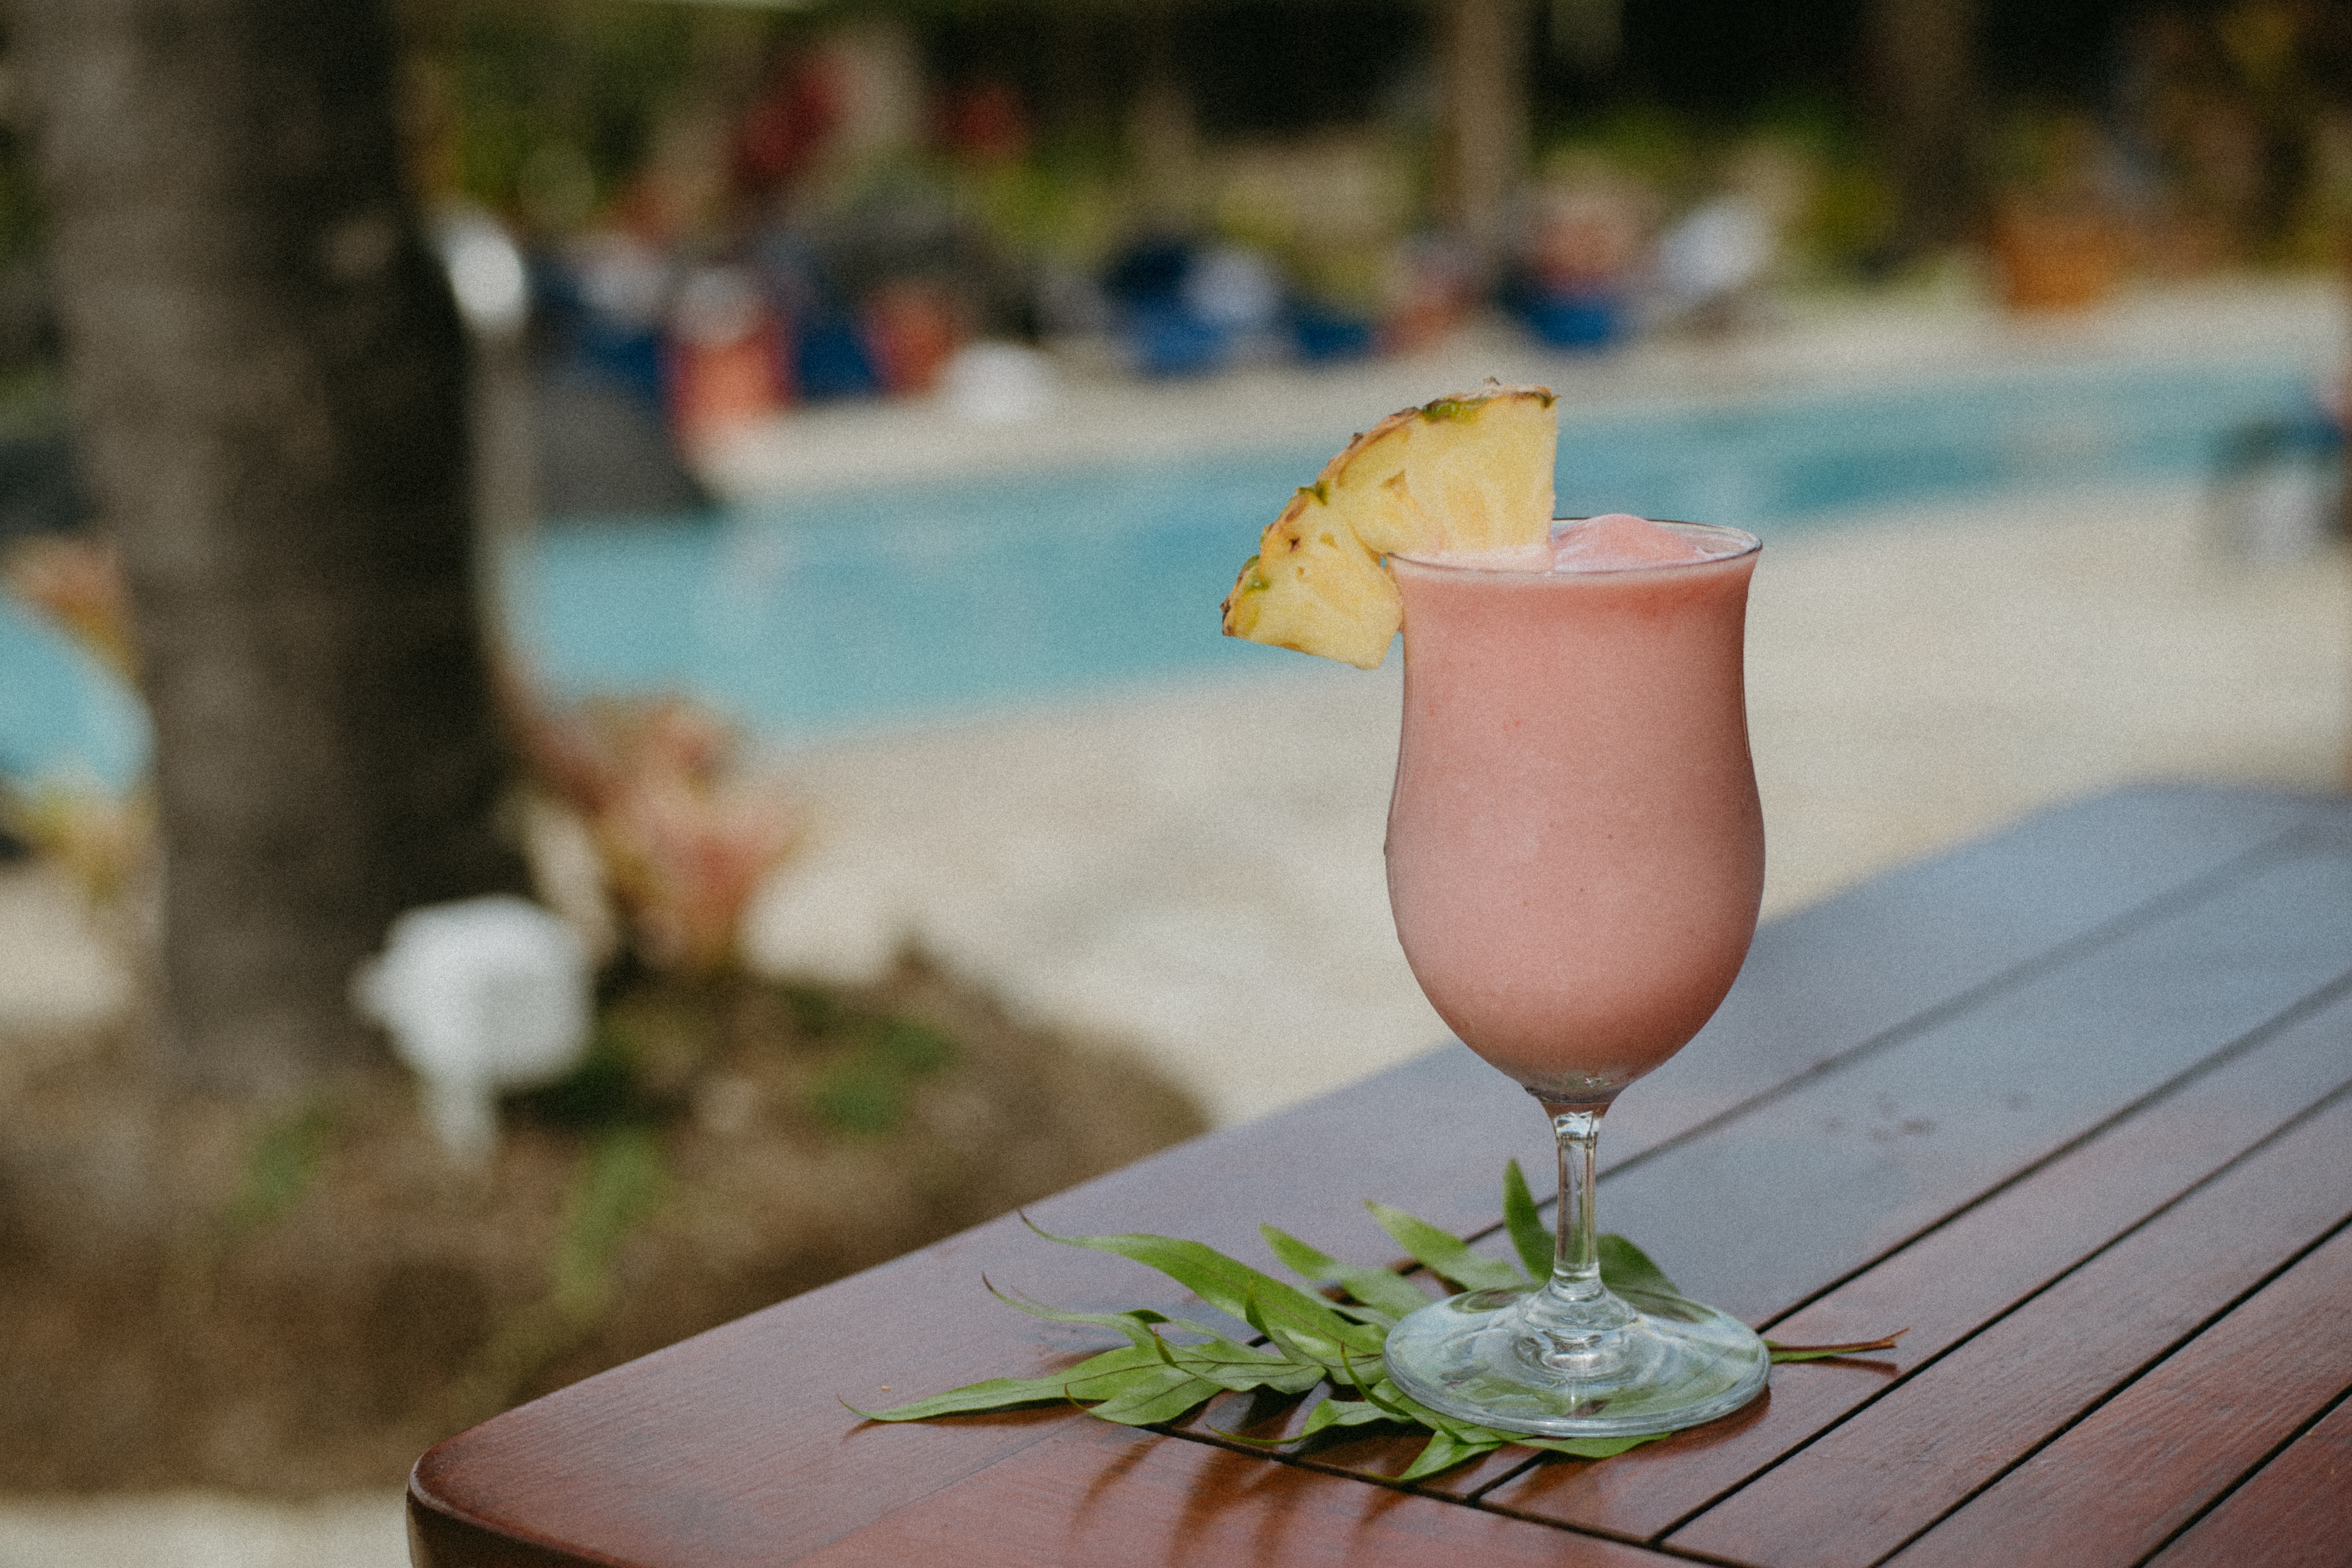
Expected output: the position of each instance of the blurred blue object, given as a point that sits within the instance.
(599, 315)
(1158, 327)
(1149, 273)
(1170, 340)
(1324, 336)
(830, 361)
(1579, 319)
(1232, 289)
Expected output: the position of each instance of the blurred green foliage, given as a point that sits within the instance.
(865, 1089)
(541, 108)
(279, 1167)
(617, 1187)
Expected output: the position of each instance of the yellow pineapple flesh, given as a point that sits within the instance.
(1460, 474)
(1314, 587)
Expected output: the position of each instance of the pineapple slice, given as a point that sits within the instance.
(1471, 473)
(1314, 587)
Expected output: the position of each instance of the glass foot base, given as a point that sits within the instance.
(1480, 1358)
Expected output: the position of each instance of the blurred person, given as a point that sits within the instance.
(726, 362)
(1429, 287)
(603, 298)
(1580, 249)
(1157, 332)
(1713, 261)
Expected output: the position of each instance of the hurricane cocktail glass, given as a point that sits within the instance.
(1575, 859)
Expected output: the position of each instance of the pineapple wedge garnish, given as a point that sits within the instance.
(1470, 473)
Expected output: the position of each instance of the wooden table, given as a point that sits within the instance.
(2073, 1104)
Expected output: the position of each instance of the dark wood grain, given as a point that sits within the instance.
(1796, 1192)
(735, 1440)
(1894, 1470)
(1957, 1278)
(1854, 971)
(1095, 1496)
(2142, 1464)
(2294, 1512)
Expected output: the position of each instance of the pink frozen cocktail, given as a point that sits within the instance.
(1575, 852)
(1575, 859)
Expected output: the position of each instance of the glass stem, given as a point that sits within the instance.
(1576, 1255)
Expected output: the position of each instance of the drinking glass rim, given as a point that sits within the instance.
(1749, 545)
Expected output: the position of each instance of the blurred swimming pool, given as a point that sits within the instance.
(907, 601)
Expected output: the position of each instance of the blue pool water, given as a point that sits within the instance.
(911, 601)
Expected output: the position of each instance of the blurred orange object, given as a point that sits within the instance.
(2050, 258)
(911, 331)
(727, 365)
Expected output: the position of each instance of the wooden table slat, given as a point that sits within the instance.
(2111, 1489)
(1868, 1485)
(1097, 1496)
(1951, 1282)
(1800, 1192)
(1828, 981)
(2294, 1512)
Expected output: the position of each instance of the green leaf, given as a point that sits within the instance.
(1086, 1380)
(1169, 1393)
(1226, 1284)
(1326, 1362)
(1625, 1267)
(1531, 1238)
(1387, 1395)
(1824, 1352)
(1153, 1379)
(1443, 1253)
(1591, 1448)
(1442, 1452)
(1241, 1367)
(1338, 1412)
(1136, 1324)
(1383, 1289)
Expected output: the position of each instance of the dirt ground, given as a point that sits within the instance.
(294, 1302)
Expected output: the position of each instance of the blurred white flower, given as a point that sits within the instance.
(481, 996)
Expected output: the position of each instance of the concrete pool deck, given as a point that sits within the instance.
(1194, 869)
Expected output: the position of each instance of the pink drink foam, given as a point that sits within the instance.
(1618, 542)
(1575, 852)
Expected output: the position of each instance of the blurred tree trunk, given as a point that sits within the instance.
(1483, 48)
(1919, 60)
(268, 381)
